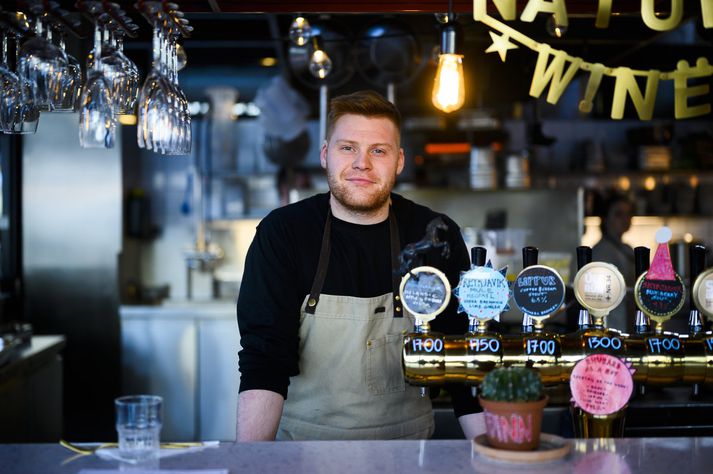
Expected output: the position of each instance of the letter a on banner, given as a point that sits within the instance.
(552, 73)
(626, 85)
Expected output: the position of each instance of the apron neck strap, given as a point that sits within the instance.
(323, 264)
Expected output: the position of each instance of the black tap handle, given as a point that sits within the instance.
(584, 256)
(529, 256)
(697, 259)
(477, 256)
(641, 258)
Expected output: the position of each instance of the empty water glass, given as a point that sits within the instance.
(138, 425)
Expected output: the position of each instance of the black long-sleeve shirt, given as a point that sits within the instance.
(280, 267)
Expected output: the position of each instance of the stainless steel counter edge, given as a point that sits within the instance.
(629, 455)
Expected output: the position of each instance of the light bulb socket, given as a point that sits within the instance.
(450, 39)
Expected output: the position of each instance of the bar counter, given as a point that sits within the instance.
(605, 456)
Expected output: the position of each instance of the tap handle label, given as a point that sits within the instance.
(659, 299)
(425, 292)
(703, 293)
(538, 291)
(483, 293)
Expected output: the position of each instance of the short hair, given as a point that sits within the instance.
(366, 103)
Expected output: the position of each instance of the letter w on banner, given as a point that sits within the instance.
(552, 73)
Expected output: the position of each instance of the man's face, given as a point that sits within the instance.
(362, 159)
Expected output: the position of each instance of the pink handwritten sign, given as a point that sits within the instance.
(601, 384)
(513, 428)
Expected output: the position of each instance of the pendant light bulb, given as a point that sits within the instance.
(300, 31)
(320, 64)
(449, 85)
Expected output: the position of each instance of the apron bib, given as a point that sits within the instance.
(351, 383)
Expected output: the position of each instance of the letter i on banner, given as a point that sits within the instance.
(626, 86)
(552, 73)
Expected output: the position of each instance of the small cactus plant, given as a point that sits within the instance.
(512, 384)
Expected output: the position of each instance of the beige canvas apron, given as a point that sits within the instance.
(351, 382)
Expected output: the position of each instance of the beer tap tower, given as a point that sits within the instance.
(656, 357)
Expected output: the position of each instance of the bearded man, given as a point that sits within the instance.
(319, 314)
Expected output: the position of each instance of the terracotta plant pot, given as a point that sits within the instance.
(513, 425)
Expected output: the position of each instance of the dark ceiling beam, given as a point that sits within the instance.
(400, 6)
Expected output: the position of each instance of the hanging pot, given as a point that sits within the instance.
(389, 53)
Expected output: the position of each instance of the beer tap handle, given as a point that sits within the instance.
(641, 260)
(529, 258)
(641, 265)
(584, 256)
(697, 259)
(478, 255)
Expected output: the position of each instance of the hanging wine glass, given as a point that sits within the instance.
(10, 92)
(97, 123)
(71, 84)
(42, 64)
(28, 113)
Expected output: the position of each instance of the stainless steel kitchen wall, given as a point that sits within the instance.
(71, 241)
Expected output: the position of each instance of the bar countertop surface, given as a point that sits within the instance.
(593, 456)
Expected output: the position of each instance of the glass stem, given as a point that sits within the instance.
(97, 47)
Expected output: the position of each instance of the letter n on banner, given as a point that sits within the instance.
(552, 73)
(626, 86)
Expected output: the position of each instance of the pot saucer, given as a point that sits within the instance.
(551, 448)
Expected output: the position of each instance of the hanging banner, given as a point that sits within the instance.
(555, 69)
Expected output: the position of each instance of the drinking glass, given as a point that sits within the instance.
(43, 65)
(28, 113)
(164, 122)
(97, 123)
(138, 425)
(10, 93)
(71, 85)
(121, 73)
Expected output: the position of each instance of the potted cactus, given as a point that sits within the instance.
(513, 401)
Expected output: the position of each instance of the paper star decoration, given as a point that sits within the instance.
(501, 44)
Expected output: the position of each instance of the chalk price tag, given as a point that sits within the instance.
(605, 343)
(484, 345)
(538, 291)
(664, 345)
(542, 346)
(601, 384)
(703, 292)
(425, 292)
(659, 299)
(483, 293)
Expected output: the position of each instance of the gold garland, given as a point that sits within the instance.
(556, 68)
